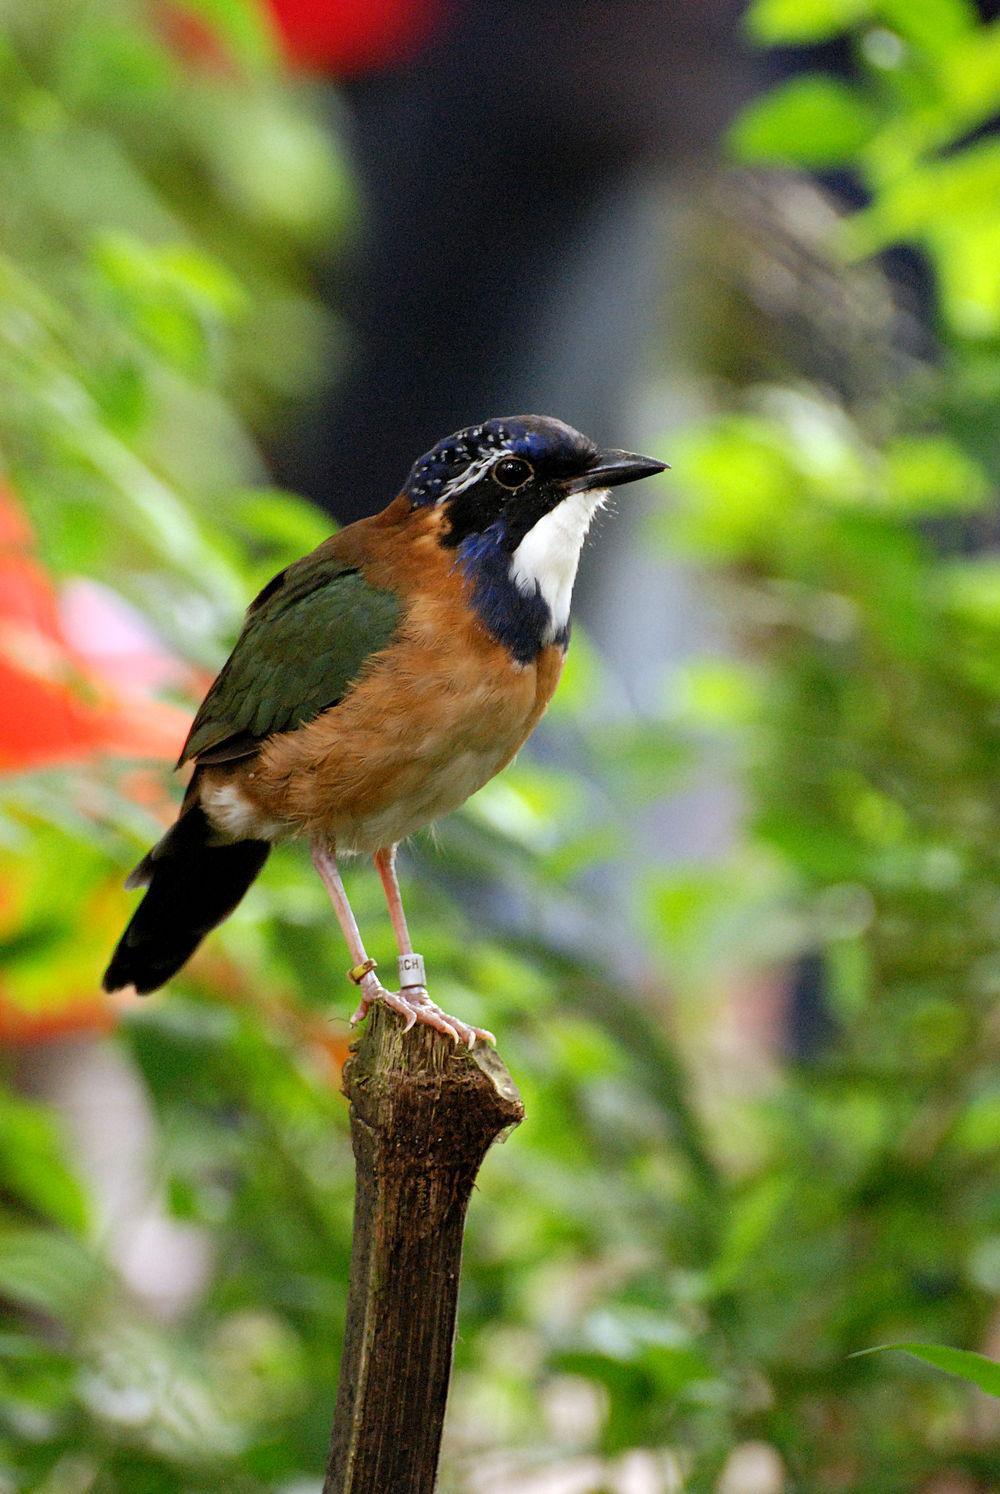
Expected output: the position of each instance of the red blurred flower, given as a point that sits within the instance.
(336, 37)
(62, 698)
(352, 36)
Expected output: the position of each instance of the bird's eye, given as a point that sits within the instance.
(512, 472)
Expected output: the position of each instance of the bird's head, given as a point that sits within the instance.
(516, 496)
(511, 472)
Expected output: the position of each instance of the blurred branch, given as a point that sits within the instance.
(423, 1116)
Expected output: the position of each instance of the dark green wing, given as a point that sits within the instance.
(305, 640)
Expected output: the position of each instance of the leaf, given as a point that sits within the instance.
(978, 1127)
(281, 524)
(752, 1222)
(966, 261)
(970, 590)
(715, 694)
(121, 390)
(32, 1168)
(794, 22)
(47, 1272)
(930, 24)
(811, 121)
(205, 280)
(931, 474)
(736, 476)
(970, 75)
(172, 296)
(976, 1369)
(957, 192)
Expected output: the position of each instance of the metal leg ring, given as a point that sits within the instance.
(411, 970)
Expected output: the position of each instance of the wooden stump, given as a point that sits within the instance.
(423, 1115)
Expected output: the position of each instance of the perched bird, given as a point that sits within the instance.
(376, 684)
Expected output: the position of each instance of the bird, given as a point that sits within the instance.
(375, 685)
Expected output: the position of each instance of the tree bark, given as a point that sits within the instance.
(423, 1115)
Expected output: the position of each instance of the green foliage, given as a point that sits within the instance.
(811, 121)
(32, 1167)
(868, 731)
(929, 77)
(685, 1249)
(976, 1369)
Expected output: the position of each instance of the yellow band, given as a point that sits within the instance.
(357, 973)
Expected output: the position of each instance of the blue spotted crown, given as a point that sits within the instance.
(537, 438)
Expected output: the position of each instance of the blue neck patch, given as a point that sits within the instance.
(519, 620)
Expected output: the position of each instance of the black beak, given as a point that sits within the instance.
(611, 469)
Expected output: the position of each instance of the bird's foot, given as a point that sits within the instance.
(414, 1004)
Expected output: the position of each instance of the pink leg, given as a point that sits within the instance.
(416, 995)
(412, 1002)
(325, 863)
(385, 865)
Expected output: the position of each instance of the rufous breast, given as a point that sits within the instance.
(431, 719)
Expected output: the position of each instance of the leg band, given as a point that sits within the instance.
(411, 970)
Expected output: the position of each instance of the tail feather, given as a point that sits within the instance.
(192, 886)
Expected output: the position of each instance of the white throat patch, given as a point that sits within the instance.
(548, 556)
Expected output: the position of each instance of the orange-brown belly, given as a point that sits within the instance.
(432, 722)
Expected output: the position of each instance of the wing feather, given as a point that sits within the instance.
(305, 640)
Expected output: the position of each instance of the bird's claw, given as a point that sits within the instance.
(414, 1005)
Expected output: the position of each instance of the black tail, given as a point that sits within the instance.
(193, 885)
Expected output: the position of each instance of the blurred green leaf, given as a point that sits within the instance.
(970, 77)
(32, 1168)
(47, 1272)
(930, 474)
(121, 391)
(170, 296)
(810, 121)
(970, 286)
(959, 189)
(978, 1127)
(975, 1369)
(971, 588)
(738, 479)
(796, 22)
(281, 522)
(930, 24)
